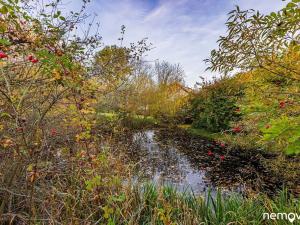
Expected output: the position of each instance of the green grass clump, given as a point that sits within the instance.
(200, 132)
(139, 121)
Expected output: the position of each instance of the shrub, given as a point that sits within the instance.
(214, 107)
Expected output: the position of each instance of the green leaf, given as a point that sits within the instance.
(284, 131)
(4, 10)
(293, 148)
(5, 115)
(111, 222)
(120, 198)
(107, 211)
(4, 42)
(291, 5)
(94, 182)
(57, 14)
(273, 14)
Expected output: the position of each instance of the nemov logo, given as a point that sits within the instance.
(281, 216)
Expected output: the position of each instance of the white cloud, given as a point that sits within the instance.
(182, 31)
(264, 6)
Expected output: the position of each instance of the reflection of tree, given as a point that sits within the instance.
(174, 155)
(160, 160)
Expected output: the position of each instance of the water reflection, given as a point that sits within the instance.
(163, 162)
(168, 156)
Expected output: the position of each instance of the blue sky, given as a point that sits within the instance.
(182, 31)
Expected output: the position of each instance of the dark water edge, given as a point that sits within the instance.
(172, 157)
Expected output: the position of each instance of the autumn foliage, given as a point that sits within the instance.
(55, 86)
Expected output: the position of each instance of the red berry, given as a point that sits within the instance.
(210, 153)
(35, 61)
(237, 129)
(222, 145)
(3, 55)
(282, 104)
(222, 157)
(53, 132)
(30, 58)
(19, 129)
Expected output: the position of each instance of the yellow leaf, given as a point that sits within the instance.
(56, 75)
(7, 143)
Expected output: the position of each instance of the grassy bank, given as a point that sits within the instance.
(139, 121)
(129, 121)
(242, 140)
(199, 132)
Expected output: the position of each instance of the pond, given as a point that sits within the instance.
(167, 156)
(165, 163)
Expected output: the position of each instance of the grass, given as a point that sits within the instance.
(139, 121)
(128, 121)
(241, 141)
(199, 132)
(149, 204)
(90, 191)
(109, 116)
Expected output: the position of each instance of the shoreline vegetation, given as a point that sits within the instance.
(149, 204)
(66, 98)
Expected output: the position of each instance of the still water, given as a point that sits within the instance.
(165, 160)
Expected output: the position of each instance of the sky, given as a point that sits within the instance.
(181, 31)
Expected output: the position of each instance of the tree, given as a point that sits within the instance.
(45, 98)
(266, 49)
(43, 66)
(257, 41)
(112, 67)
(167, 73)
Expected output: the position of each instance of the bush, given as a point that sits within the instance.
(214, 107)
